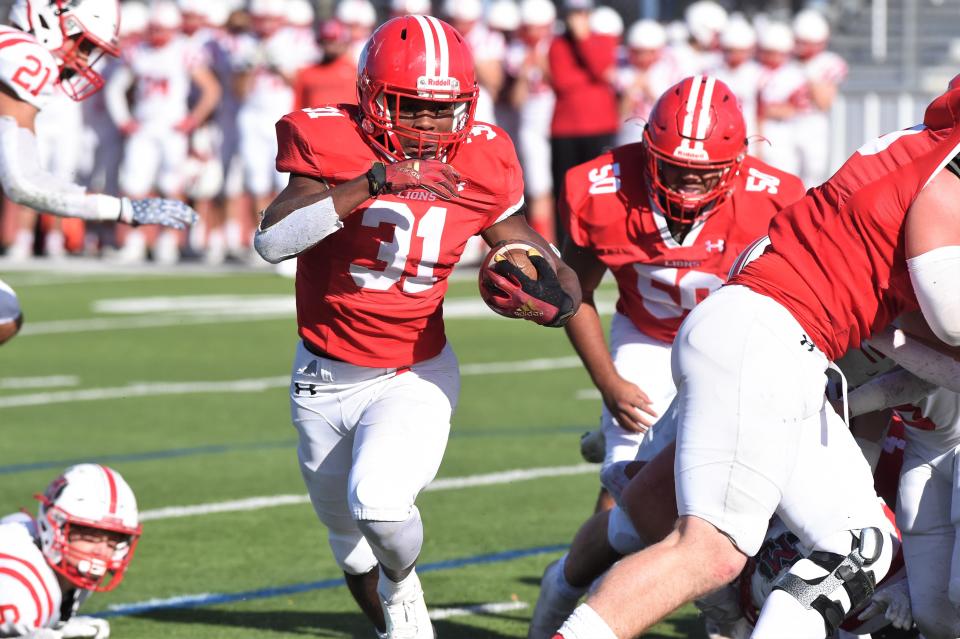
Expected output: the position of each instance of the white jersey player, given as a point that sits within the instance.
(266, 66)
(160, 69)
(53, 43)
(927, 509)
(824, 71)
(740, 71)
(81, 542)
(783, 89)
(533, 98)
(652, 70)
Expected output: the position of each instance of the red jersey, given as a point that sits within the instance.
(836, 259)
(608, 211)
(371, 294)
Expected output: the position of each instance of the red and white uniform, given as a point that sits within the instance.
(812, 126)
(155, 153)
(755, 433)
(370, 296)
(785, 84)
(611, 213)
(854, 224)
(928, 510)
(30, 596)
(371, 293)
(26, 67)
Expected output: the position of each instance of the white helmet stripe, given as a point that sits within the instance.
(429, 48)
(444, 52)
(703, 118)
(687, 127)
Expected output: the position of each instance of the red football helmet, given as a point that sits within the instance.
(417, 57)
(954, 84)
(697, 124)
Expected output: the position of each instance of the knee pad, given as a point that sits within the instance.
(832, 583)
(396, 544)
(621, 535)
(379, 497)
(352, 552)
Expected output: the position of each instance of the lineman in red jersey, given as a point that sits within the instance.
(880, 238)
(669, 227)
(374, 379)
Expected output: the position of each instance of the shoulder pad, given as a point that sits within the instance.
(323, 142)
(27, 68)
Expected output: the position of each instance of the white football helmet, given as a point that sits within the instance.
(88, 496)
(77, 33)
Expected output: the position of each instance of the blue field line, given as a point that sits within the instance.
(213, 599)
(220, 449)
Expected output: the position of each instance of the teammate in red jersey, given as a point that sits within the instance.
(879, 239)
(381, 201)
(668, 217)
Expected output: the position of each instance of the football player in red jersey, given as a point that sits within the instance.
(668, 217)
(382, 198)
(880, 239)
(51, 44)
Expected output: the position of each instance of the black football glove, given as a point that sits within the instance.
(512, 294)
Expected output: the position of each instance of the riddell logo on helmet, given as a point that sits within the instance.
(686, 152)
(427, 83)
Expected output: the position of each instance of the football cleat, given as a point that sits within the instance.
(408, 618)
(552, 608)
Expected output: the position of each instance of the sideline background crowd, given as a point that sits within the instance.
(188, 110)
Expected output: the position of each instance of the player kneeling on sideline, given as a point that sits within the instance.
(81, 542)
(381, 201)
(50, 43)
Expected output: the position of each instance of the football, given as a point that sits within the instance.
(517, 252)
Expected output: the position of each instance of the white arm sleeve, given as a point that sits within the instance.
(936, 281)
(26, 182)
(921, 360)
(892, 389)
(298, 231)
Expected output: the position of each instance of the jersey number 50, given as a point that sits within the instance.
(661, 287)
(395, 253)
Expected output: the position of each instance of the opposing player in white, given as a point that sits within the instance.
(55, 42)
(824, 71)
(160, 70)
(81, 542)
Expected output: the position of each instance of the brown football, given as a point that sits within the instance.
(517, 252)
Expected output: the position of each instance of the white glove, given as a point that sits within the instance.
(84, 628)
(154, 210)
(894, 602)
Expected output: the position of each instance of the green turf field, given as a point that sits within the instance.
(178, 383)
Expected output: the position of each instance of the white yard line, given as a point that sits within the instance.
(275, 309)
(254, 385)
(479, 609)
(449, 483)
(16, 383)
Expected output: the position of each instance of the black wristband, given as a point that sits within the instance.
(377, 178)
